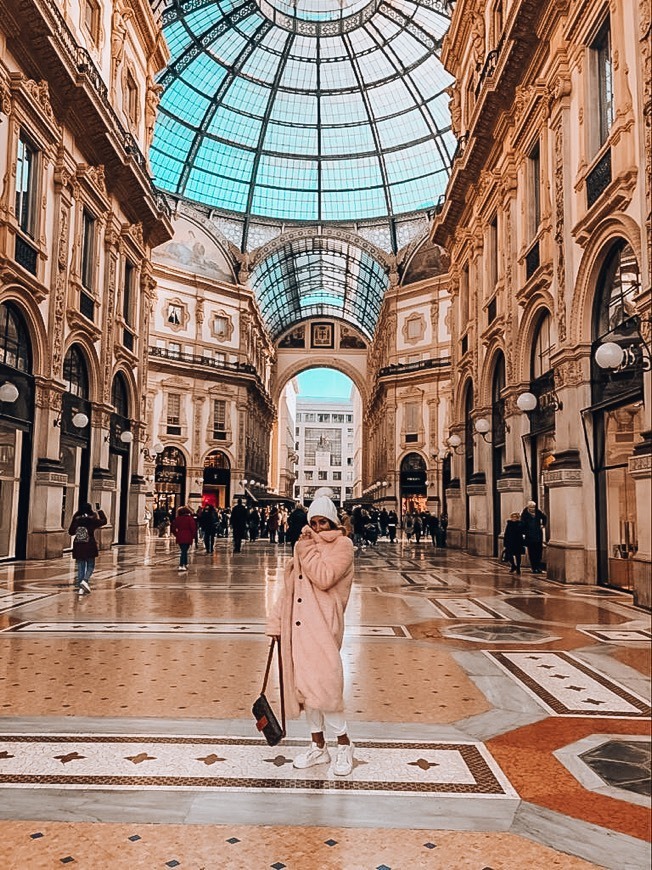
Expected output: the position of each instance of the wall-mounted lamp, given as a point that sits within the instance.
(79, 420)
(482, 426)
(8, 392)
(152, 455)
(126, 437)
(609, 355)
(454, 442)
(527, 402)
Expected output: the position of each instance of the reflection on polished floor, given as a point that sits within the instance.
(500, 722)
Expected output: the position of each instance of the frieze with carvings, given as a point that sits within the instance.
(38, 94)
(563, 477)
(640, 467)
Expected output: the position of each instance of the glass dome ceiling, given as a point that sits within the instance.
(305, 110)
(320, 277)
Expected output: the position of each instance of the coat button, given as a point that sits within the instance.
(300, 576)
(297, 623)
(299, 600)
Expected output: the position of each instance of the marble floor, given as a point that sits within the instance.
(500, 722)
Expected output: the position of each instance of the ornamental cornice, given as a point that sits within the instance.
(563, 477)
(640, 467)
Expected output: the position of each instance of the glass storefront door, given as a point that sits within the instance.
(11, 445)
(619, 521)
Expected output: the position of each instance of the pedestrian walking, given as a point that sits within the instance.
(239, 522)
(85, 523)
(514, 542)
(184, 529)
(533, 521)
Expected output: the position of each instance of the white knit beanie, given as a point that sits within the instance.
(322, 506)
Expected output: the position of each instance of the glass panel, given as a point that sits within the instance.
(255, 87)
(10, 448)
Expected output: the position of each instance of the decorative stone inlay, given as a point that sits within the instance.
(498, 633)
(623, 764)
(108, 762)
(608, 763)
(566, 686)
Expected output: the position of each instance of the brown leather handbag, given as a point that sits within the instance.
(266, 720)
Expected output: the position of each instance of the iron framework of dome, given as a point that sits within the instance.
(306, 111)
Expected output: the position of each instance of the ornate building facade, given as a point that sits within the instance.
(78, 219)
(406, 463)
(209, 406)
(547, 221)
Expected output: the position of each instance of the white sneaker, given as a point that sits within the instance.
(311, 757)
(344, 760)
(85, 586)
(181, 568)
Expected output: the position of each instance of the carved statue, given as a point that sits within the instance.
(119, 21)
(152, 99)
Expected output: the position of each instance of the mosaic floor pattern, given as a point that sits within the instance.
(499, 722)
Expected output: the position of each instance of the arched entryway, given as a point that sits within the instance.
(414, 492)
(16, 416)
(75, 433)
(216, 488)
(120, 439)
(617, 412)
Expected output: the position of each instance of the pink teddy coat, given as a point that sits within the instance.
(309, 617)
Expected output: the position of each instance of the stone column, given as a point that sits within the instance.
(47, 539)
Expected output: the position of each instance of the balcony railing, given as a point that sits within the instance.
(81, 60)
(421, 365)
(532, 261)
(25, 255)
(598, 179)
(209, 362)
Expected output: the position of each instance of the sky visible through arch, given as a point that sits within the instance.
(324, 384)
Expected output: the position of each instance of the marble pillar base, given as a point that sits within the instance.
(47, 544)
(479, 543)
(570, 563)
(642, 579)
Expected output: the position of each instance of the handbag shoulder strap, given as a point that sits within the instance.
(270, 656)
(269, 664)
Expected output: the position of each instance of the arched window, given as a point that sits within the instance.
(617, 288)
(120, 396)
(15, 344)
(498, 403)
(217, 459)
(413, 462)
(75, 373)
(542, 347)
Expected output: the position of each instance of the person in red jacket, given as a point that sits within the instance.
(184, 529)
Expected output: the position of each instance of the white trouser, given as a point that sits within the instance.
(317, 719)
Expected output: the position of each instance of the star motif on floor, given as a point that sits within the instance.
(423, 764)
(211, 759)
(278, 761)
(70, 756)
(142, 756)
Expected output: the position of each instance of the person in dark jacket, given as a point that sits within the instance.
(208, 522)
(84, 546)
(533, 521)
(392, 523)
(184, 529)
(239, 522)
(296, 521)
(514, 542)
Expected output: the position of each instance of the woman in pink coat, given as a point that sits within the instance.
(184, 529)
(309, 618)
